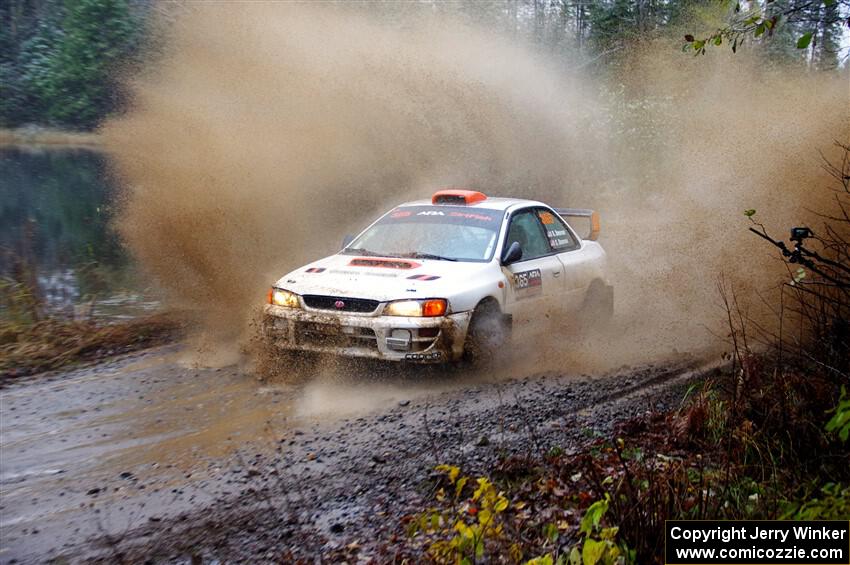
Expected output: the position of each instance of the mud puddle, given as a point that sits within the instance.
(141, 431)
(102, 449)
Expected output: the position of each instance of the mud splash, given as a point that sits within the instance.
(264, 133)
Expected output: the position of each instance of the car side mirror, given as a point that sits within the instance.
(513, 254)
(346, 239)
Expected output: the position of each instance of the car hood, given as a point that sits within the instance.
(381, 278)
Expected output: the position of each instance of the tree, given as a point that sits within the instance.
(814, 24)
(29, 31)
(615, 24)
(97, 36)
(58, 59)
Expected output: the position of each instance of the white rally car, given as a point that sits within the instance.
(442, 280)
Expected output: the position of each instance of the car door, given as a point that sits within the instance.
(569, 251)
(536, 280)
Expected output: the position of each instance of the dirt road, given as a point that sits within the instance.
(145, 456)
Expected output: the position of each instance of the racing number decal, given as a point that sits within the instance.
(528, 283)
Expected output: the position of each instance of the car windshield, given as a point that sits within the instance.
(451, 233)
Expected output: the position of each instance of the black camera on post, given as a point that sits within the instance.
(799, 234)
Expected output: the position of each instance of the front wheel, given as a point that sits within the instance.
(489, 331)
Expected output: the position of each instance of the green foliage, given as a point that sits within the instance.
(840, 421)
(38, 58)
(593, 516)
(804, 40)
(832, 504)
(543, 560)
(59, 62)
(785, 28)
(24, 71)
(97, 36)
(463, 530)
(615, 25)
(600, 544)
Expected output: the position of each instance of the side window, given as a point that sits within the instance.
(557, 233)
(526, 229)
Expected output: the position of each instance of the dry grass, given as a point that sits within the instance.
(54, 343)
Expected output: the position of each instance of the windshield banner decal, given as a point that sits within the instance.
(442, 214)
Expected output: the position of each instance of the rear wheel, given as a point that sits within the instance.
(487, 335)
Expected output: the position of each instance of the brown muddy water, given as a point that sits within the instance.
(108, 448)
(76, 450)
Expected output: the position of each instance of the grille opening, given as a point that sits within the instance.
(320, 302)
(333, 335)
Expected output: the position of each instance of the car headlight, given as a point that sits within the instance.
(427, 308)
(280, 297)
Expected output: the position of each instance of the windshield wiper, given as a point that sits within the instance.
(418, 255)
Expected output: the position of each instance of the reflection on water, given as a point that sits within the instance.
(55, 208)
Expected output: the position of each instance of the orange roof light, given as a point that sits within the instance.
(452, 196)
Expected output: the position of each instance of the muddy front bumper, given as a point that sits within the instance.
(392, 338)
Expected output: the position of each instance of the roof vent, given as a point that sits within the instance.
(457, 197)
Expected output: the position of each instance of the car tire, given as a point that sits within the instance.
(488, 332)
(598, 307)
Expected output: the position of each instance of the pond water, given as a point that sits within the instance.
(56, 241)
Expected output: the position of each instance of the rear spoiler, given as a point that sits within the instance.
(592, 215)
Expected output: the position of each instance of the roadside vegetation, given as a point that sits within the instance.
(56, 342)
(35, 339)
